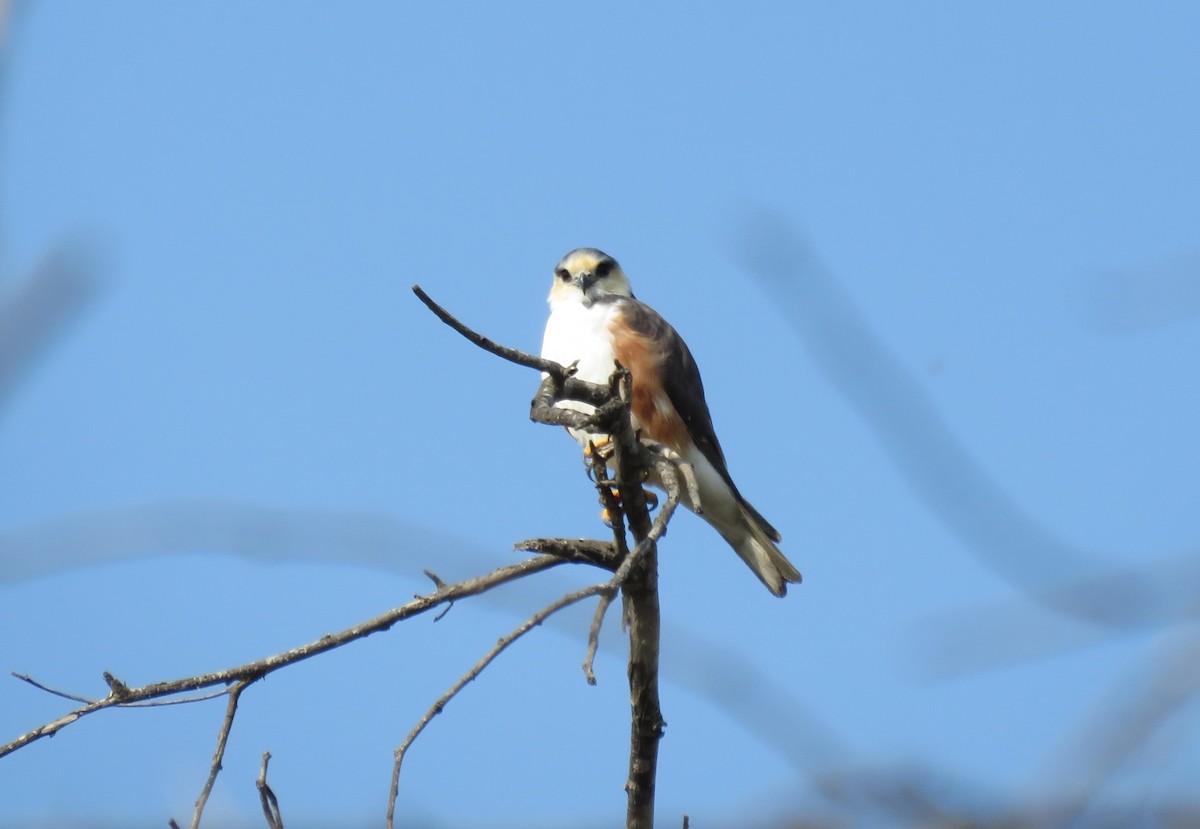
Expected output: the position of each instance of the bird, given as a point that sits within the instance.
(595, 321)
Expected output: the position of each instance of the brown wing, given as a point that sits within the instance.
(668, 394)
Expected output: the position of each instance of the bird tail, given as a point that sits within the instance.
(753, 539)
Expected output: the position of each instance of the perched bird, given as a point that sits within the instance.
(594, 320)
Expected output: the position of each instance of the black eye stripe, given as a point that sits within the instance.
(604, 268)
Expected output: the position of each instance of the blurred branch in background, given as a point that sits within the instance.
(936, 465)
(1097, 598)
(1136, 299)
(1128, 719)
(38, 311)
(1005, 632)
(271, 534)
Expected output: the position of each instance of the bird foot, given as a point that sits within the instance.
(600, 446)
(651, 504)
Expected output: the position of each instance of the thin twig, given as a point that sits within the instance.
(598, 469)
(670, 468)
(438, 706)
(270, 664)
(593, 641)
(159, 703)
(235, 694)
(602, 554)
(43, 687)
(511, 354)
(89, 701)
(270, 803)
(571, 388)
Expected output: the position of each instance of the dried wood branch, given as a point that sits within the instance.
(573, 389)
(235, 694)
(637, 576)
(478, 668)
(253, 671)
(602, 554)
(270, 803)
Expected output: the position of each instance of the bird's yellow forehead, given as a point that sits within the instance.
(582, 260)
(586, 274)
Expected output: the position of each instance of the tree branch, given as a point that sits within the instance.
(235, 694)
(571, 388)
(438, 706)
(645, 625)
(260, 668)
(270, 803)
(602, 554)
(637, 575)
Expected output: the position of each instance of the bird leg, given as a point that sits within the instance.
(601, 446)
(596, 454)
(606, 515)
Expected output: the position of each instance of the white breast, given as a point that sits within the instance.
(578, 333)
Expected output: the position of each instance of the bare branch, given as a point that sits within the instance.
(511, 354)
(121, 696)
(670, 468)
(571, 388)
(438, 706)
(598, 468)
(602, 554)
(42, 687)
(235, 694)
(270, 803)
(637, 575)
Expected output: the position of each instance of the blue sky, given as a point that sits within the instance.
(979, 229)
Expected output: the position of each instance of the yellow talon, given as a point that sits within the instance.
(601, 445)
(606, 517)
(651, 502)
(651, 498)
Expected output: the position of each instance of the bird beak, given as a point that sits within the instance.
(585, 280)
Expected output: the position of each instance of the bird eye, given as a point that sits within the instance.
(563, 274)
(604, 268)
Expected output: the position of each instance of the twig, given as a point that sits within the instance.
(637, 576)
(657, 530)
(511, 354)
(270, 803)
(159, 703)
(569, 387)
(43, 687)
(602, 554)
(612, 504)
(235, 694)
(262, 667)
(438, 706)
(572, 389)
(439, 584)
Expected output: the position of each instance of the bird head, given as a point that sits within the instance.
(585, 275)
